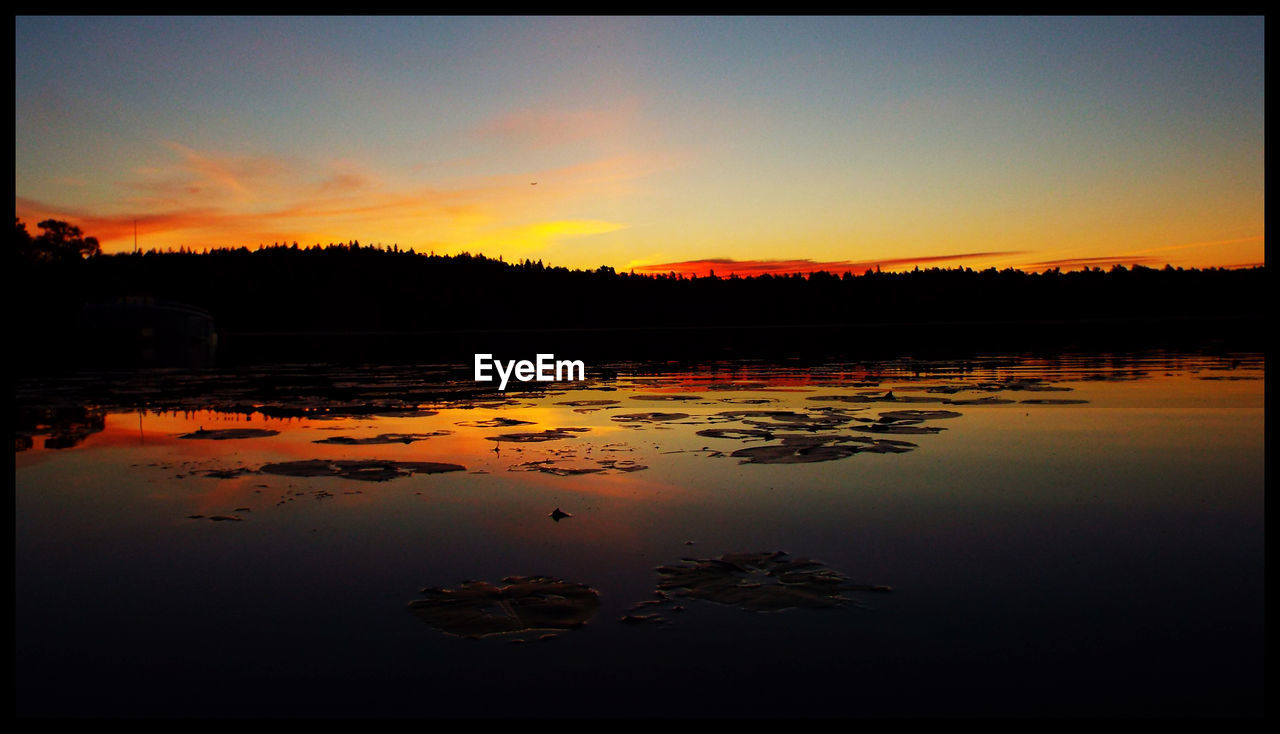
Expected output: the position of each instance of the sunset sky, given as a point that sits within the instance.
(747, 144)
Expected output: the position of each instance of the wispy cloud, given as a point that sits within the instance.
(1102, 261)
(541, 128)
(118, 227)
(343, 183)
(202, 199)
(527, 240)
(729, 266)
(1210, 243)
(1239, 248)
(219, 172)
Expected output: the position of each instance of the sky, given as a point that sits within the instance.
(736, 144)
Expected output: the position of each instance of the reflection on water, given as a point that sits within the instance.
(677, 534)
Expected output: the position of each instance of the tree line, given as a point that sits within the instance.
(348, 287)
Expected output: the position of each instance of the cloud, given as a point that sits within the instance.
(1235, 249)
(528, 239)
(1102, 261)
(729, 266)
(343, 183)
(197, 179)
(1211, 243)
(542, 128)
(211, 171)
(199, 199)
(115, 227)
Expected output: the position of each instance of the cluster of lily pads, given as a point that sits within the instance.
(803, 437)
(526, 607)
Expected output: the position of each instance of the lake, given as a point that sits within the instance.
(1000, 535)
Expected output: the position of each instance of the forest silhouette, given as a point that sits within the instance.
(310, 294)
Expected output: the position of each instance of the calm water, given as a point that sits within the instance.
(1075, 536)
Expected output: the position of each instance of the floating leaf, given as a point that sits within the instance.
(369, 470)
(551, 434)
(224, 434)
(651, 417)
(917, 415)
(383, 438)
(494, 423)
(989, 400)
(792, 454)
(526, 604)
(588, 403)
(896, 428)
(762, 582)
(1050, 401)
(739, 433)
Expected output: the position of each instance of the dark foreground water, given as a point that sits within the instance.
(1075, 536)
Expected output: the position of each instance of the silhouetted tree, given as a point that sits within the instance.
(22, 243)
(59, 242)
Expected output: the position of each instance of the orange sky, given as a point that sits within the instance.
(745, 144)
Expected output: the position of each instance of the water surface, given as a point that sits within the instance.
(1078, 535)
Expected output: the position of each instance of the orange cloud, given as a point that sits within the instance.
(200, 199)
(111, 227)
(1105, 261)
(1211, 243)
(344, 183)
(729, 266)
(207, 171)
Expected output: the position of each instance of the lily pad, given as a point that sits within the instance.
(368, 470)
(556, 467)
(621, 465)
(650, 417)
(1033, 384)
(588, 403)
(1051, 401)
(526, 604)
(565, 468)
(383, 438)
(224, 434)
(989, 400)
(897, 428)
(738, 433)
(229, 473)
(495, 423)
(760, 582)
(884, 445)
(917, 415)
(842, 398)
(786, 420)
(551, 434)
(788, 416)
(792, 454)
(889, 397)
